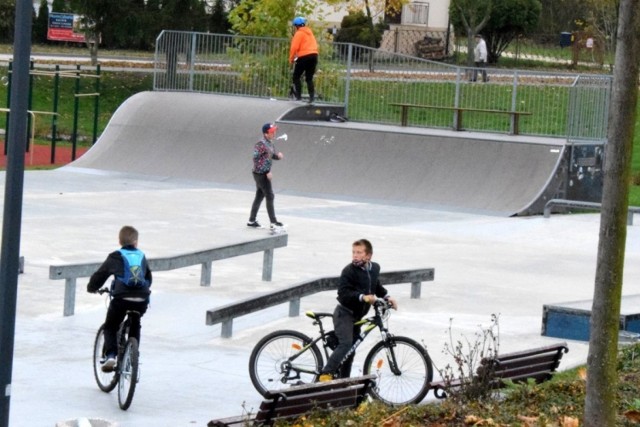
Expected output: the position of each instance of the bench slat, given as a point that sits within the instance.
(320, 386)
(296, 401)
(302, 404)
(538, 364)
(515, 115)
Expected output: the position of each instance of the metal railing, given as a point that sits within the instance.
(71, 272)
(578, 204)
(367, 80)
(292, 295)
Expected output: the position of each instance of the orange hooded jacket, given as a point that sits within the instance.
(303, 43)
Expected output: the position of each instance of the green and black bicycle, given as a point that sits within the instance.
(403, 367)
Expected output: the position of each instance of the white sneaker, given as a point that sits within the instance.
(109, 364)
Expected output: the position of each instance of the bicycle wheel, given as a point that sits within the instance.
(410, 383)
(128, 368)
(106, 380)
(281, 360)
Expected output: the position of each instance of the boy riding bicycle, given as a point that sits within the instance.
(130, 289)
(358, 289)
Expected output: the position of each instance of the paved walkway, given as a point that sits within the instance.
(484, 265)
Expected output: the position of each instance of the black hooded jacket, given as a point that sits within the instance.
(356, 281)
(114, 265)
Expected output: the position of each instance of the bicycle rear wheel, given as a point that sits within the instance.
(106, 380)
(280, 360)
(403, 368)
(128, 368)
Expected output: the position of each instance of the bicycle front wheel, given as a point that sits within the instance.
(128, 368)
(403, 369)
(282, 359)
(106, 380)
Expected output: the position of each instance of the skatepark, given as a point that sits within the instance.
(177, 167)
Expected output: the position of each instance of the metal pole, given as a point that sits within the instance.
(7, 116)
(12, 218)
(76, 107)
(54, 117)
(96, 106)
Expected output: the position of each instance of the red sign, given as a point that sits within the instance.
(65, 27)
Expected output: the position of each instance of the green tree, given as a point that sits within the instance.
(265, 18)
(558, 16)
(60, 6)
(7, 18)
(600, 402)
(602, 17)
(99, 18)
(219, 21)
(374, 11)
(469, 17)
(41, 24)
(356, 28)
(184, 15)
(151, 22)
(509, 19)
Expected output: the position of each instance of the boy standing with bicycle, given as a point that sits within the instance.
(130, 289)
(359, 288)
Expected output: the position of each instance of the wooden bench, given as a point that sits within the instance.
(299, 400)
(538, 364)
(457, 117)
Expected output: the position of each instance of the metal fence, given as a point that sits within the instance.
(367, 81)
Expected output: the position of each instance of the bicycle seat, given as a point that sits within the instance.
(316, 315)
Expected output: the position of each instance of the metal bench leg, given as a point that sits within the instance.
(515, 122)
(69, 296)
(267, 265)
(416, 288)
(227, 329)
(205, 274)
(294, 307)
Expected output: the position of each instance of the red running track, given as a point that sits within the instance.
(40, 155)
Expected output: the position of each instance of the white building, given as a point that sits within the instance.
(432, 14)
(421, 22)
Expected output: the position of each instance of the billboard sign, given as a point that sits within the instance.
(65, 27)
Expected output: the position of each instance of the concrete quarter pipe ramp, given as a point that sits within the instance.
(210, 138)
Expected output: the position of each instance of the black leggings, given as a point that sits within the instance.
(306, 64)
(115, 315)
(263, 190)
(347, 333)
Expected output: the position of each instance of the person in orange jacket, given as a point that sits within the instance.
(304, 54)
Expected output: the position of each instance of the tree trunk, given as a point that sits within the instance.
(600, 403)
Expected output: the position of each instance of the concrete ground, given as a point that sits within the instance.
(484, 265)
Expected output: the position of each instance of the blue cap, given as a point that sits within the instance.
(299, 21)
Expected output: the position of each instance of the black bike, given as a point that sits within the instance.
(403, 367)
(126, 372)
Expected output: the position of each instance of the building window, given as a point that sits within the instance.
(415, 13)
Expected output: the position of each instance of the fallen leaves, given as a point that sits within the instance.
(633, 415)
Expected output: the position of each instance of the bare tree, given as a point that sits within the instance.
(600, 407)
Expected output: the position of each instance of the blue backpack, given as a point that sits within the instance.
(134, 270)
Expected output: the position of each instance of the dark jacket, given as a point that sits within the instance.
(114, 266)
(356, 281)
